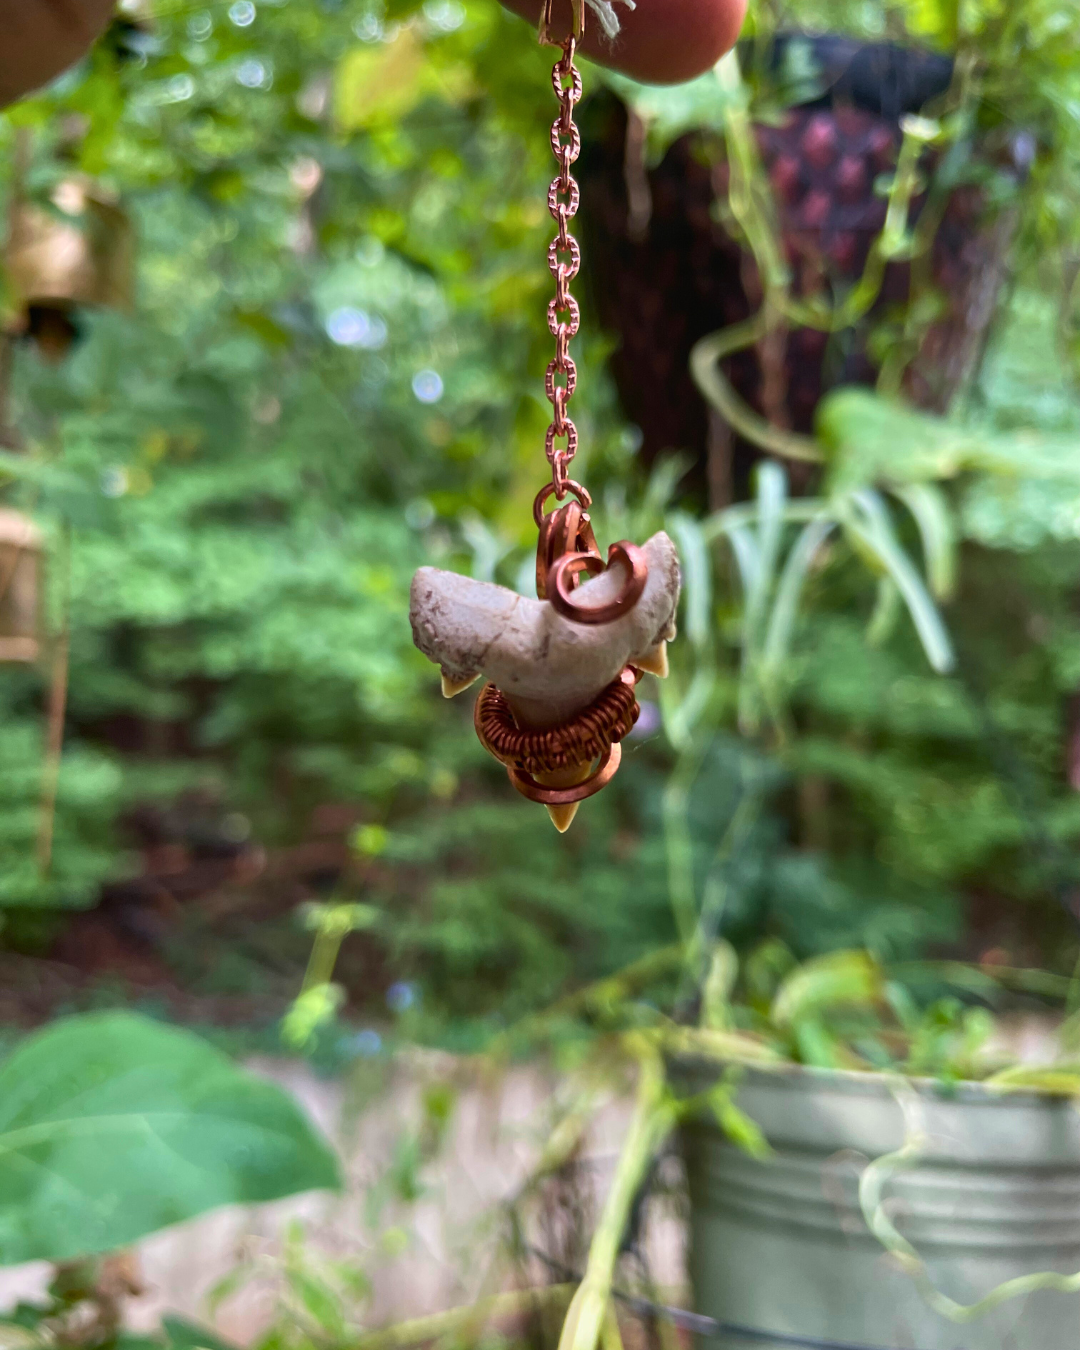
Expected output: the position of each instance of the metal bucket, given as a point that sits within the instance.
(781, 1255)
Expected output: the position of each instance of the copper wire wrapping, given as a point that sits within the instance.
(585, 738)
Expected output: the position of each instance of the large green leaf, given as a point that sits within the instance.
(870, 439)
(113, 1126)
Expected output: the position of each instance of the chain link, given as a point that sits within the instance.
(564, 260)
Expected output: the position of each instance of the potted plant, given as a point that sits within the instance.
(985, 1183)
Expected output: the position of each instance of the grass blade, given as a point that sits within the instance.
(930, 508)
(697, 577)
(789, 591)
(866, 517)
(771, 499)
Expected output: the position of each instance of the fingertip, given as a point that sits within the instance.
(660, 41)
(678, 42)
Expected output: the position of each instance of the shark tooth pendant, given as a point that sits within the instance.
(561, 670)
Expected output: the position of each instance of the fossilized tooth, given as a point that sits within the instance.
(548, 667)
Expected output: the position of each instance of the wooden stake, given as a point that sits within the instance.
(54, 734)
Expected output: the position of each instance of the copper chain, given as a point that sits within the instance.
(564, 259)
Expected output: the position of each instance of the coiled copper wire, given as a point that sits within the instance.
(583, 739)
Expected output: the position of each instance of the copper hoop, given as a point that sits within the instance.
(566, 570)
(581, 493)
(567, 530)
(527, 785)
(582, 740)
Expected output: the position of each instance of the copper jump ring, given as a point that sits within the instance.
(567, 530)
(527, 785)
(581, 493)
(565, 571)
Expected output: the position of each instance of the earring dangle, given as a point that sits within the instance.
(562, 669)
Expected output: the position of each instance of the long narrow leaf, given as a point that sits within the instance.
(790, 589)
(747, 556)
(663, 481)
(680, 716)
(697, 578)
(866, 516)
(771, 498)
(887, 609)
(799, 511)
(930, 508)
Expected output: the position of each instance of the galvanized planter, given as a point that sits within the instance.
(780, 1249)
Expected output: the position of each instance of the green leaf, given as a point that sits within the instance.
(930, 508)
(697, 577)
(887, 609)
(719, 986)
(1058, 1082)
(113, 1126)
(185, 1335)
(312, 1010)
(839, 979)
(816, 1045)
(743, 1132)
(867, 521)
(765, 969)
(771, 499)
(747, 555)
(870, 439)
(790, 589)
(318, 1300)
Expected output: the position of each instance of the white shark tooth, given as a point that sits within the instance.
(548, 667)
(562, 816)
(451, 687)
(655, 661)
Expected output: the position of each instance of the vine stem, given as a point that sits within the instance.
(872, 1185)
(710, 379)
(754, 210)
(517, 1303)
(590, 1319)
(594, 1001)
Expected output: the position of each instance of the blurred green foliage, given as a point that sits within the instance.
(333, 373)
(114, 1126)
(248, 473)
